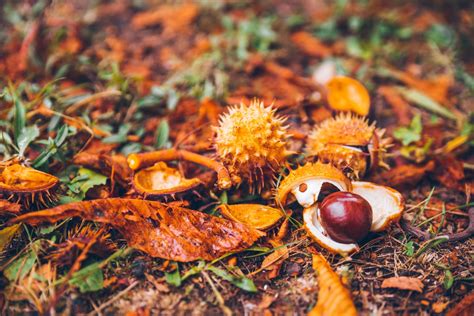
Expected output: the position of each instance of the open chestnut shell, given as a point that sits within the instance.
(27, 186)
(387, 206)
(311, 183)
(161, 181)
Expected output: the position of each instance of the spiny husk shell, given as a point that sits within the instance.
(387, 207)
(27, 186)
(350, 143)
(261, 217)
(251, 141)
(161, 181)
(65, 253)
(310, 172)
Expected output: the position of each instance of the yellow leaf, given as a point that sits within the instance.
(7, 234)
(333, 298)
(253, 215)
(455, 143)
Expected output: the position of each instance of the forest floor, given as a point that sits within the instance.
(135, 76)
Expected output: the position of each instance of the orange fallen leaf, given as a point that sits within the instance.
(161, 230)
(280, 254)
(253, 215)
(400, 107)
(310, 45)
(405, 175)
(439, 307)
(464, 308)
(333, 298)
(437, 87)
(174, 18)
(403, 283)
(450, 172)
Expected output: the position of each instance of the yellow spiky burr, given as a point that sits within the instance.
(350, 143)
(251, 141)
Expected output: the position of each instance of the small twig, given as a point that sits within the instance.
(113, 299)
(138, 161)
(423, 235)
(218, 295)
(468, 232)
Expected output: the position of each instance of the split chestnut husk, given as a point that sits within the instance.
(29, 187)
(387, 206)
(350, 143)
(161, 181)
(311, 184)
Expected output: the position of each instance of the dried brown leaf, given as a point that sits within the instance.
(464, 308)
(161, 230)
(405, 175)
(310, 45)
(450, 172)
(400, 107)
(403, 283)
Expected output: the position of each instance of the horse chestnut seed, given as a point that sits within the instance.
(346, 217)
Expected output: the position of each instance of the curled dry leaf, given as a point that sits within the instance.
(161, 230)
(162, 181)
(254, 215)
(403, 283)
(333, 297)
(450, 172)
(400, 107)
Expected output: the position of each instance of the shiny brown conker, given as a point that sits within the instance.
(346, 217)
